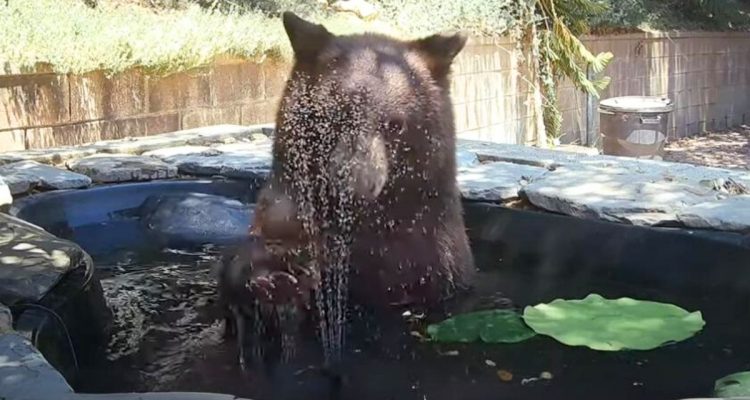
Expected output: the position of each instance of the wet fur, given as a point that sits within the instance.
(263, 297)
(409, 243)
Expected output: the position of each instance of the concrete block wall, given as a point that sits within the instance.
(43, 109)
(705, 74)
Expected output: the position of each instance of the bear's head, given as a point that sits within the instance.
(368, 110)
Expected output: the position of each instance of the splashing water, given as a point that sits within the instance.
(332, 298)
(320, 122)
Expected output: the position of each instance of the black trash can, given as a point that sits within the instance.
(634, 126)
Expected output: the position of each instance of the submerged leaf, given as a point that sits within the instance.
(491, 326)
(734, 385)
(505, 376)
(611, 325)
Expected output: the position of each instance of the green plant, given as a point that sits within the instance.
(672, 14)
(613, 324)
(489, 326)
(562, 54)
(74, 38)
(734, 385)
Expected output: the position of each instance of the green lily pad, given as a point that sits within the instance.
(490, 326)
(611, 325)
(734, 385)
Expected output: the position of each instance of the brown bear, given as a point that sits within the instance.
(370, 116)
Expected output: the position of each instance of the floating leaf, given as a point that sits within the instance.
(491, 326)
(611, 325)
(734, 385)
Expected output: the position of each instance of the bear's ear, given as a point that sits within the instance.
(307, 39)
(439, 50)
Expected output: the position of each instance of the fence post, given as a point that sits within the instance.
(591, 136)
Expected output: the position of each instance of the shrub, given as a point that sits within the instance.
(175, 35)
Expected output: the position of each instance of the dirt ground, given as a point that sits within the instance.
(726, 149)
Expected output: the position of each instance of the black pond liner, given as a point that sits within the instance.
(572, 249)
(563, 254)
(73, 315)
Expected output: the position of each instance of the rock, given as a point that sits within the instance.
(519, 154)
(496, 181)
(6, 319)
(11, 157)
(32, 261)
(259, 138)
(238, 160)
(6, 199)
(24, 176)
(360, 8)
(268, 130)
(209, 140)
(104, 168)
(635, 192)
(465, 158)
(180, 151)
(195, 218)
(18, 184)
(55, 155)
(570, 148)
(25, 374)
(730, 214)
(202, 136)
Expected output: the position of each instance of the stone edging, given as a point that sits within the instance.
(577, 184)
(583, 185)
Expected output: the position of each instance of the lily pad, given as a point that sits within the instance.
(613, 324)
(734, 385)
(490, 326)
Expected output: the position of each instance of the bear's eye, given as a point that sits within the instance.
(394, 126)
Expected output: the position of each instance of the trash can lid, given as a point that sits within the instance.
(651, 104)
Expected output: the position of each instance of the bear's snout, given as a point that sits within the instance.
(367, 166)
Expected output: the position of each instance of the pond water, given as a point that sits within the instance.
(168, 337)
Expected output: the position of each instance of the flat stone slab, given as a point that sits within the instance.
(6, 198)
(6, 319)
(618, 189)
(252, 136)
(496, 181)
(519, 154)
(137, 145)
(572, 148)
(465, 158)
(25, 176)
(730, 214)
(55, 156)
(107, 168)
(25, 374)
(239, 161)
(32, 260)
(180, 151)
(197, 136)
(640, 193)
